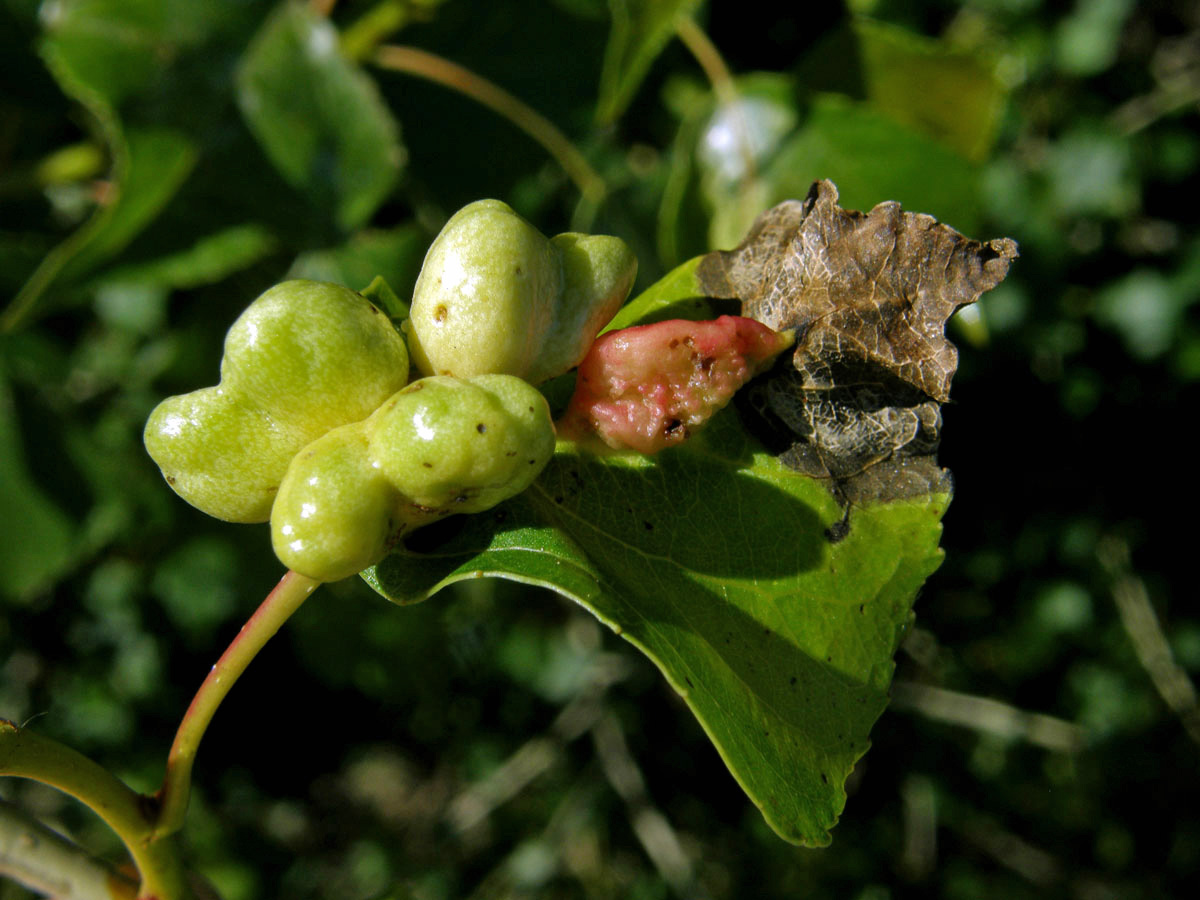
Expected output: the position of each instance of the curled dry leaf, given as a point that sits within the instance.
(868, 295)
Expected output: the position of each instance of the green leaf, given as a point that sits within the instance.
(952, 95)
(677, 295)
(396, 254)
(208, 260)
(319, 118)
(381, 294)
(150, 166)
(106, 49)
(103, 52)
(872, 159)
(946, 91)
(640, 31)
(112, 50)
(713, 560)
(37, 539)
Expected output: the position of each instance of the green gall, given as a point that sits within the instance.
(495, 296)
(304, 358)
(219, 454)
(438, 447)
(335, 514)
(462, 445)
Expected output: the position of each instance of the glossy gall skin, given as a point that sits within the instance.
(440, 446)
(495, 296)
(304, 358)
(335, 514)
(463, 444)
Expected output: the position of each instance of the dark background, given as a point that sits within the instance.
(355, 758)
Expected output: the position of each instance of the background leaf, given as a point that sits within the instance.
(102, 53)
(952, 94)
(640, 31)
(152, 165)
(37, 538)
(319, 119)
(395, 254)
(868, 156)
(106, 49)
(210, 259)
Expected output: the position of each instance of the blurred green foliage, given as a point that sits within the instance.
(495, 742)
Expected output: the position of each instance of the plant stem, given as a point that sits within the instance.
(448, 74)
(25, 754)
(285, 599)
(721, 79)
(360, 38)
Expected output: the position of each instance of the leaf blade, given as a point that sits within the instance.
(641, 29)
(722, 622)
(319, 118)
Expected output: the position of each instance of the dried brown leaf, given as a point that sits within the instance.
(869, 295)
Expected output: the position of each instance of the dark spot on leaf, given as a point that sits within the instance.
(439, 314)
(689, 682)
(839, 530)
(170, 479)
(824, 778)
(558, 499)
(862, 608)
(511, 453)
(649, 526)
(481, 428)
(792, 680)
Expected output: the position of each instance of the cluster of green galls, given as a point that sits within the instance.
(315, 426)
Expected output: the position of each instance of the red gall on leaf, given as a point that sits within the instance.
(648, 387)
